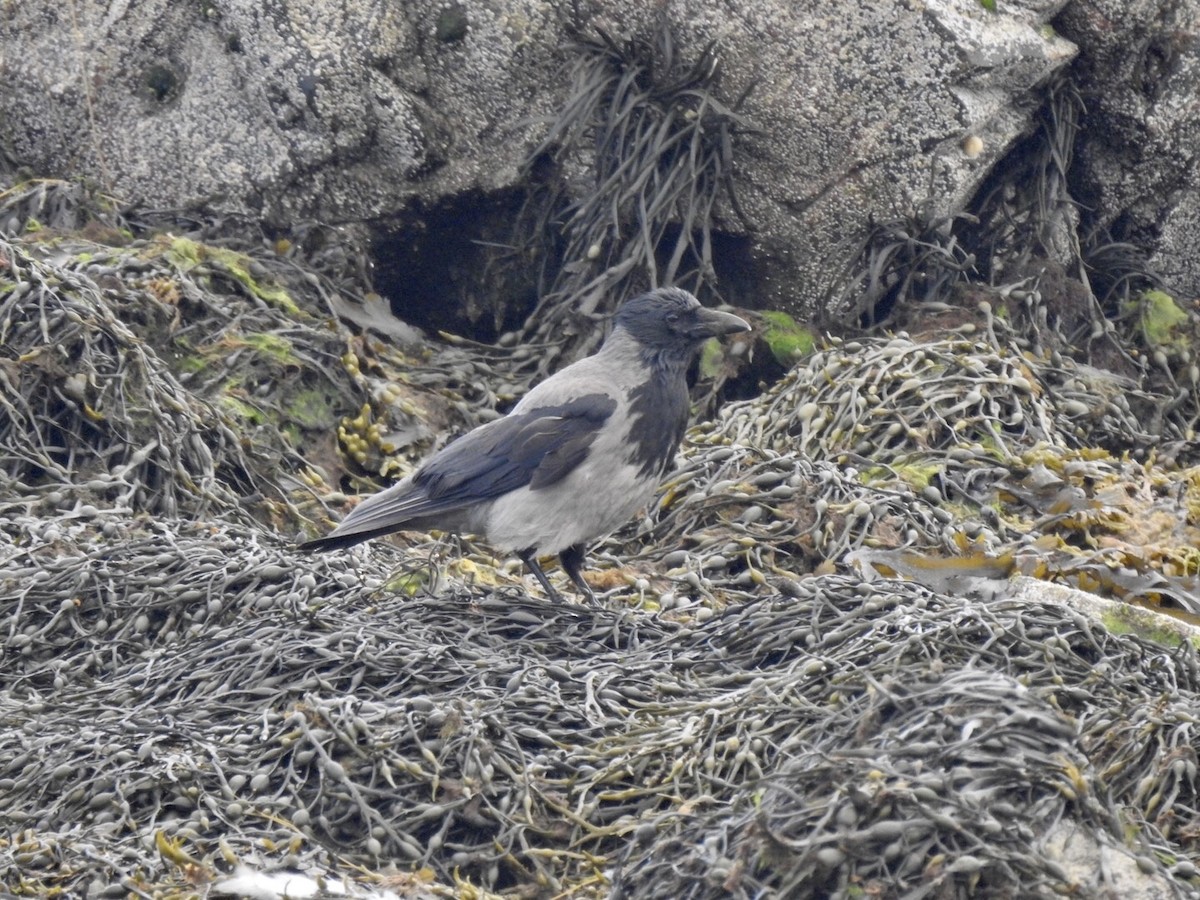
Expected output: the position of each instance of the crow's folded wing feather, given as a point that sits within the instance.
(538, 448)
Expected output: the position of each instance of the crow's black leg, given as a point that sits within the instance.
(530, 559)
(572, 560)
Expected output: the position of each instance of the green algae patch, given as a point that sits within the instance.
(188, 255)
(1161, 319)
(184, 252)
(918, 475)
(240, 409)
(787, 338)
(1127, 619)
(278, 348)
(193, 364)
(712, 359)
(312, 409)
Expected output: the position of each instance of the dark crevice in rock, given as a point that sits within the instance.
(452, 267)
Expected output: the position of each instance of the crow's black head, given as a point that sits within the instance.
(670, 319)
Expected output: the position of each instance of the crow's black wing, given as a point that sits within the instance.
(536, 448)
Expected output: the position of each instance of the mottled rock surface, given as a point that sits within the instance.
(1136, 167)
(355, 110)
(337, 110)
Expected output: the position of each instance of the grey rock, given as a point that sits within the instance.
(1099, 869)
(354, 110)
(1136, 158)
(338, 111)
(867, 112)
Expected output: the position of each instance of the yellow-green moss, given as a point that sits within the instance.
(787, 339)
(918, 475)
(712, 355)
(408, 582)
(187, 254)
(311, 409)
(1124, 618)
(1160, 318)
(193, 364)
(278, 348)
(184, 253)
(241, 409)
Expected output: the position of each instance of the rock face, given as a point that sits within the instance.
(358, 110)
(867, 113)
(338, 110)
(1136, 171)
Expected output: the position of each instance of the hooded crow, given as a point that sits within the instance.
(574, 460)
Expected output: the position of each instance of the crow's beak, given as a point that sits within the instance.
(712, 322)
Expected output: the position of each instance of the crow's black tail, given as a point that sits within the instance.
(342, 541)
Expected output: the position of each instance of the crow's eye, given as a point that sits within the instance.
(672, 318)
